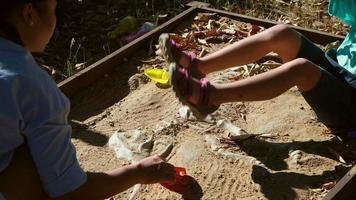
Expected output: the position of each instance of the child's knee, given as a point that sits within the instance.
(282, 32)
(305, 72)
(300, 62)
(301, 66)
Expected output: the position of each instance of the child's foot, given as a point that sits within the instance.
(172, 53)
(191, 92)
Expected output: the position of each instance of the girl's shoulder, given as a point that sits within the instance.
(21, 78)
(16, 61)
(21, 66)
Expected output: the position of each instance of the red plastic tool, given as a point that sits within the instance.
(185, 185)
(179, 185)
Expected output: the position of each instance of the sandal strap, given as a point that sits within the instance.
(192, 59)
(177, 54)
(203, 103)
(182, 83)
(194, 71)
(185, 82)
(204, 92)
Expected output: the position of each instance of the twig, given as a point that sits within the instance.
(135, 191)
(206, 130)
(195, 127)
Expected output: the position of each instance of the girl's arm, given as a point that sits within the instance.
(106, 184)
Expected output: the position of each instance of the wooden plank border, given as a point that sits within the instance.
(345, 189)
(316, 36)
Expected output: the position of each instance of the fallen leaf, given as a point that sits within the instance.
(255, 29)
(329, 185)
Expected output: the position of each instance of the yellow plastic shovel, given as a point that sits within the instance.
(160, 76)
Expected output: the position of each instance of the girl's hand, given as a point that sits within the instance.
(155, 170)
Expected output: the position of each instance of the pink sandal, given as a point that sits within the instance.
(172, 53)
(181, 81)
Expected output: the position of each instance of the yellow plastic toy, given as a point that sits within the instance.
(160, 76)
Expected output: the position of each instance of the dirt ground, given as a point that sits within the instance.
(293, 162)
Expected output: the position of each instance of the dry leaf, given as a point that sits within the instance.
(329, 185)
(255, 29)
(203, 42)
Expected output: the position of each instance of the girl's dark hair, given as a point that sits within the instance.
(7, 7)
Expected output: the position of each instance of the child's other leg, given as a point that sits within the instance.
(280, 39)
(20, 179)
(299, 72)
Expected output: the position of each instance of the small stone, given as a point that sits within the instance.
(111, 123)
(184, 112)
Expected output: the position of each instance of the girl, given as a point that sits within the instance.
(37, 158)
(327, 81)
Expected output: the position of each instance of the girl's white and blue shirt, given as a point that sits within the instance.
(346, 53)
(35, 111)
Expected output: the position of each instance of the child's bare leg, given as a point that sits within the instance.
(20, 179)
(280, 39)
(299, 72)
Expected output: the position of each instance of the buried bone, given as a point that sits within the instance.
(234, 133)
